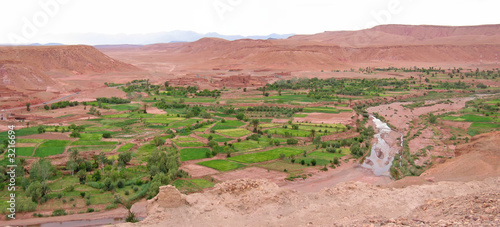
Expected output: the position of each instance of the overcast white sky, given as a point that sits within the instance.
(48, 20)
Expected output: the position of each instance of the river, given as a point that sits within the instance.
(384, 148)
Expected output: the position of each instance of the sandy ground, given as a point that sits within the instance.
(400, 116)
(261, 203)
(326, 179)
(253, 173)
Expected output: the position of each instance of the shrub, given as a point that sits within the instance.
(75, 134)
(111, 206)
(291, 141)
(59, 212)
(120, 183)
(106, 135)
(313, 162)
(90, 210)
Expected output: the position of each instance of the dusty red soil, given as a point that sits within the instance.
(248, 202)
(400, 116)
(347, 172)
(253, 173)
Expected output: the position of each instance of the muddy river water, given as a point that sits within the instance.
(387, 144)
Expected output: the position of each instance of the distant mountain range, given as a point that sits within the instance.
(145, 39)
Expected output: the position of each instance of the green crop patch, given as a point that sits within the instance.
(24, 151)
(124, 107)
(202, 183)
(183, 123)
(185, 139)
(126, 147)
(193, 153)
(163, 120)
(320, 110)
(300, 115)
(54, 143)
(468, 118)
(216, 137)
(48, 151)
(229, 124)
(237, 132)
(30, 140)
(484, 125)
(221, 165)
(248, 145)
(186, 186)
(266, 155)
(88, 136)
(20, 132)
(190, 144)
(270, 125)
(123, 115)
(325, 155)
(95, 148)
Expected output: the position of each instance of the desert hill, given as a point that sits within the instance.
(78, 59)
(34, 72)
(409, 35)
(382, 46)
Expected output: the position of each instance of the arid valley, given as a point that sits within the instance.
(394, 125)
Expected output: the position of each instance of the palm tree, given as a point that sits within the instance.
(313, 133)
(255, 123)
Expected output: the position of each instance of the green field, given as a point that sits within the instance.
(190, 144)
(95, 148)
(184, 139)
(216, 137)
(24, 151)
(289, 131)
(202, 183)
(90, 136)
(229, 124)
(126, 147)
(183, 123)
(163, 120)
(124, 107)
(193, 153)
(30, 140)
(48, 151)
(248, 145)
(186, 186)
(221, 165)
(237, 132)
(322, 158)
(468, 118)
(320, 110)
(266, 155)
(54, 143)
